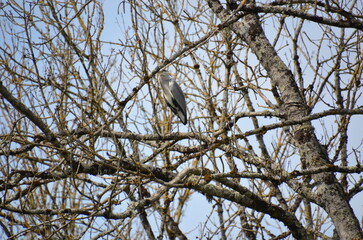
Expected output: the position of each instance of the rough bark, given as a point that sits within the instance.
(330, 193)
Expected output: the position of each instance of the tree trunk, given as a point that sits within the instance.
(330, 194)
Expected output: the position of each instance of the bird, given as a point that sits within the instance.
(173, 95)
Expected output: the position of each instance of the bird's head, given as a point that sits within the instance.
(163, 75)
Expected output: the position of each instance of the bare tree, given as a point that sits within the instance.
(272, 148)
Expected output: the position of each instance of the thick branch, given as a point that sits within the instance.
(27, 112)
(256, 203)
(266, 8)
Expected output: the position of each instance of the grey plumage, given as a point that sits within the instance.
(173, 95)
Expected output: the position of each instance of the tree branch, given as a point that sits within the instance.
(27, 112)
(350, 21)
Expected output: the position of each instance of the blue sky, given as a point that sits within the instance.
(117, 21)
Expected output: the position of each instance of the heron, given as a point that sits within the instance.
(173, 95)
